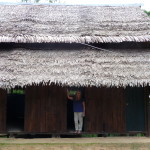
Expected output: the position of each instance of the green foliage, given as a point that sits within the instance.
(18, 91)
(147, 12)
(25, 1)
(72, 93)
(113, 134)
(140, 134)
(36, 1)
(52, 1)
(89, 135)
(3, 136)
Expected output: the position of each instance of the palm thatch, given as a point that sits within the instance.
(66, 23)
(78, 67)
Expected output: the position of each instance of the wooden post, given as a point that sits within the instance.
(3, 99)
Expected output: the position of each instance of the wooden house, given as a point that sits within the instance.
(47, 49)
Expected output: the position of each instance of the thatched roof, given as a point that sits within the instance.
(66, 23)
(79, 67)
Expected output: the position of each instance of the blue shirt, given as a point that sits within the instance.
(78, 105)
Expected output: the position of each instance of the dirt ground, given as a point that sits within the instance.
(100, 143)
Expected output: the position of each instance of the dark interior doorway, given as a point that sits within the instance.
(70, 113)
(15, 112)
(135, 114)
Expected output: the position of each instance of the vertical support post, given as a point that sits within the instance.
(3, 100)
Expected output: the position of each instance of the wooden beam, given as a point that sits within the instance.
(3, 99)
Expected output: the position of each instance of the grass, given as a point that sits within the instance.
(80, 144)
(66, 145)
(75, 146)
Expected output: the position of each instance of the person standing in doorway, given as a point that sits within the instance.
(79, 110)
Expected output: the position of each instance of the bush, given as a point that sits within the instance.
(89, 135)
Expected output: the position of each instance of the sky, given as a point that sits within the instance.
(145, 3)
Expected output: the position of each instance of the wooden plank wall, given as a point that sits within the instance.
(3, 100)
(45, 109)
(106, 110)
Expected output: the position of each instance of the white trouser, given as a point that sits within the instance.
(78, 120)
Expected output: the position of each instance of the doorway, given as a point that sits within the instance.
(135, 113)
(70, 116)
(15, 112)
(70, 113)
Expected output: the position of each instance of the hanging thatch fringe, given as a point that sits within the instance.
(87, 39)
